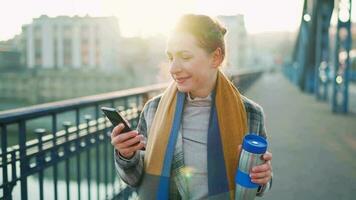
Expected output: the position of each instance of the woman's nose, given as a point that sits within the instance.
(174, 67)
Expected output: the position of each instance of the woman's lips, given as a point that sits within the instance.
(181, 80)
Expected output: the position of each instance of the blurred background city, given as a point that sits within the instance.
(61, 60)
(60, 50)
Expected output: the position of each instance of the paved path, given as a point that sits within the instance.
(314, 151)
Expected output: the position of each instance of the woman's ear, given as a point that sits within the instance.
(217, 57)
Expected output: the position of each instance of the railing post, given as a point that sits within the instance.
(23, 159)
(97, 145)
(54, 154)
(97, 139)
(66, 154)
(113, 175)
(88, 143)
(40, 132)
(5, 181)
(106, 141)
(13, 169)
(77, 119)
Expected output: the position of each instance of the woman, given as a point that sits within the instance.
(195, 128)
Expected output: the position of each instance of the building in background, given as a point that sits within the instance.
(236, 41)
(71, 42)
(10, 54)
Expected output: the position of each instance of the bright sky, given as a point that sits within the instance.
(143, 17)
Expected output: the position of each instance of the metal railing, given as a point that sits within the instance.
(62, 150)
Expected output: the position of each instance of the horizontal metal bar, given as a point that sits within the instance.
(32, 148)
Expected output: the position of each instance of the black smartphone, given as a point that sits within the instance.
(115, 118)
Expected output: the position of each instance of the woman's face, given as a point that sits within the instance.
(191, 67)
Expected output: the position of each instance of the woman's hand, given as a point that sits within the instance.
(262, 174)
(126, 143)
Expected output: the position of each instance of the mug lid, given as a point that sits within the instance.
(254, 144)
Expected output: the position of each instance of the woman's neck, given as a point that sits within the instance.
(204, 92)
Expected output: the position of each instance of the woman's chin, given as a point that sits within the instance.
(182, 88)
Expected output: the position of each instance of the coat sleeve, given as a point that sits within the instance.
(131, 170)
(262, 132)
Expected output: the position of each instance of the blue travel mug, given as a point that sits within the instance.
(253, 147)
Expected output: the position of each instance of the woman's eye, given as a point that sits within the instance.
(186, 57)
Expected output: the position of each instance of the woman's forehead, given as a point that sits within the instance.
(179, 42)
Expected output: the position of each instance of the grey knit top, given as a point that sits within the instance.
(194, 131)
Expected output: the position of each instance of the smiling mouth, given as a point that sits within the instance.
(181, 80)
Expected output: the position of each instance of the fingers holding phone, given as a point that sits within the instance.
(123, 138)
(127, 143)
(117, 130)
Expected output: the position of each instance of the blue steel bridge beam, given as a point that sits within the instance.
(342, 57)
(322, 65)
(304, 54)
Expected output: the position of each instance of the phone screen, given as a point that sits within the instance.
(115, 118)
